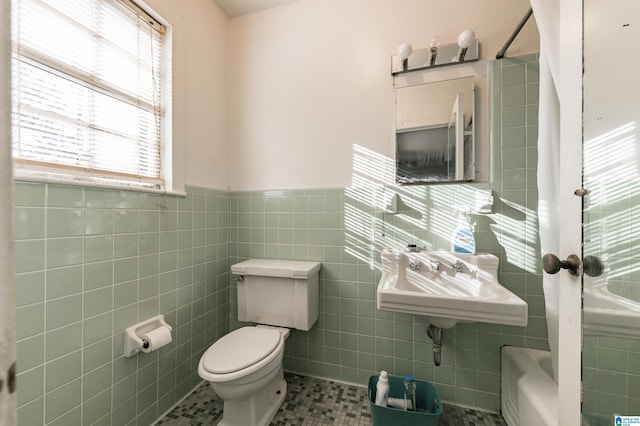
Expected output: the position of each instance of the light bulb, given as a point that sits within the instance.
(435, 42)
(404, 51)
(466, 38)
(433, 51)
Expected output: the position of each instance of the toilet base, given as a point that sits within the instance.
(258, 409)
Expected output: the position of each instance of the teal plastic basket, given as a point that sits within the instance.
(427, 401)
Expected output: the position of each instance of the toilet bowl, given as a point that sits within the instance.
(244, 367)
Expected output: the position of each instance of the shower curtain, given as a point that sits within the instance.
(547, 18)
(7, 285)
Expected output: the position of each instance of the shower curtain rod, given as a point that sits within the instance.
(523, 21)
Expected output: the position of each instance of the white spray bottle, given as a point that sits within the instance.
(462, 240)
(382, 389)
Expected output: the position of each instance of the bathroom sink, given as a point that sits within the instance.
(448, 288)
(606, 313)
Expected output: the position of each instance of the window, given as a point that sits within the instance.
(91, 80)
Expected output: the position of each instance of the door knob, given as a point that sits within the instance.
(551, 264)
(592, 265)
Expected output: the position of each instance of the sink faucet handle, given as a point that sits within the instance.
(415, 265)
(435, 265)
(458, 266)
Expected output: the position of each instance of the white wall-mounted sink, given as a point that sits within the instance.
(427, 283)
(606, 313)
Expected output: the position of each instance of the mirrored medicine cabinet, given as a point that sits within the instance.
(435, 132)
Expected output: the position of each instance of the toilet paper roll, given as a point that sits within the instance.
(156, 338)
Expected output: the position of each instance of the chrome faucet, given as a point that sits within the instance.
(435, 265)
(415, 265)
(458, 266)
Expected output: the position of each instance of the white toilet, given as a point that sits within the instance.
(244, 367)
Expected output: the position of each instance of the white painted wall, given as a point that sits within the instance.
(310, 80)
(199, 37)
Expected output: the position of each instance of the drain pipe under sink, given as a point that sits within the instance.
(435, 333)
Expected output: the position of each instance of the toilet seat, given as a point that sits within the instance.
(240, 349)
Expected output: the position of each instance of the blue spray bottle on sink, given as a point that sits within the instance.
(462, 240)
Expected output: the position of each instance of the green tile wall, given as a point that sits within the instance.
(610, 377)
(345, 229)
(92, 262)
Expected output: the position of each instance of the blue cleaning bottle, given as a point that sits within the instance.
(462, 240)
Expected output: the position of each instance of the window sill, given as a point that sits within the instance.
(26, 177)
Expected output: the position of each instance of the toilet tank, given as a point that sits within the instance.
(277, 292)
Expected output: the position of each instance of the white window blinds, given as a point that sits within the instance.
(87, 90)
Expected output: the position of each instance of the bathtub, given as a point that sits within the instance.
(529, 393)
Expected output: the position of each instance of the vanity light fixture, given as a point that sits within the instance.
(436, 55)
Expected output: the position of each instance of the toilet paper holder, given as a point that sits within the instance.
(133, 342)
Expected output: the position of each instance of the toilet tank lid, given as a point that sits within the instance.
(276, 268)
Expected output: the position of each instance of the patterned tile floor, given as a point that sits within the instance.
(310, 402)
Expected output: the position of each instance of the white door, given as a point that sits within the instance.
(604, 158)
(570, 219)
(559, 175)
